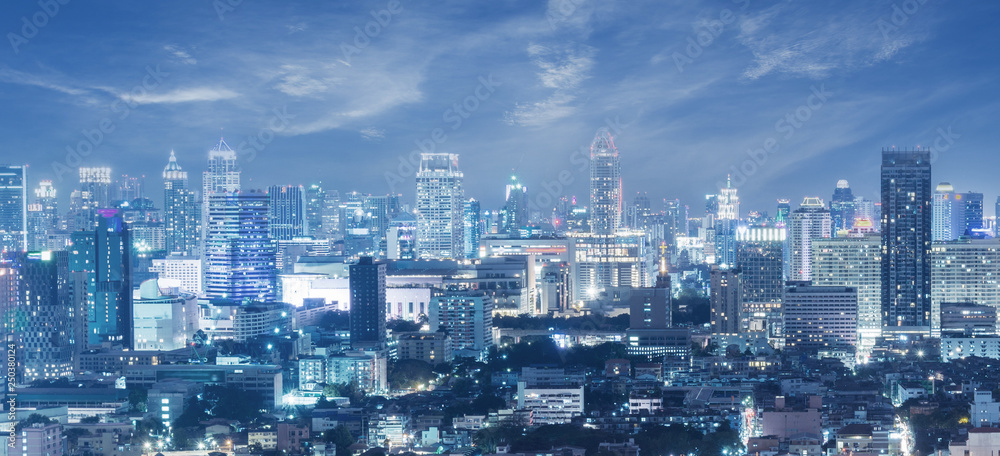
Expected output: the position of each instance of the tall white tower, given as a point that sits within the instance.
(605, 184)
(440, 204)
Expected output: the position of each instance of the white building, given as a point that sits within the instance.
(985, 411)
(982, 441)
(164, 318)
(820, 318)
(552, 395)
(467, 318)
(186, 270)
(854, 262)
(962, 347)
(440, 206)
(810, 221)
(964, 271)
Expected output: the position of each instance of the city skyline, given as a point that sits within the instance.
(542, 94)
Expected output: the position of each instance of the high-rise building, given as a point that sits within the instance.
(810, 221)
(37, 313)
(103, 258)
(760, 257)
(401, 237)
(467, 317)
(43, 218)
(331, 214)
(515, 210)
(222, 176)
(184, 270)
(675, 220)
(725, 297)
(472, 228)
(818, 318)
(95, 184)
(379, 211)
(286, 212)
(440, 204)
(368, 304)
(854, 261)
(964, 271)
(948, 219)
(315, 207)
(602, 262)
(128, 189)
(181, 214)
(906, 241)
(974, 219)
(727, 220)
(842, 208)
(605, 185)
(13, 209)
(239, 253)
(783, 212)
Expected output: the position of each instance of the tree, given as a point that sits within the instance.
(399, 325)
(90, 420)
(341, 437)
(137, 398)
(34, 419)
(410, 373)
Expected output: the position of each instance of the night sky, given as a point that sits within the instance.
(343, 92)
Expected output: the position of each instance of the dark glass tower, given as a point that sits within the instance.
(104, 255)
(973, 213)
(906, 241)
(13, 208)
(368, 305)
(286, 212)
(842, 208)
(181, 214)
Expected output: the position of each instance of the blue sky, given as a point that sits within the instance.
(334, 96)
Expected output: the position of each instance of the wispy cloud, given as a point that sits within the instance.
(181, 55)
(562, 70)
(192, 94)
(17, 77)
(372, 134)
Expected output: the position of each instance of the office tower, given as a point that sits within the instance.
(515, 209)
(184, 270)
(842, 208)
(726, 222)
(128, 189)
(974, 214)
(239, 254)
(854, 261)
(286, 212)
(964, 271)
(181, 214)
(315, 206)
(13, 209)
(605, 185)
(996, 227)
(906, 241)
(36, 303)
(368, 304)
(472, 228)
(221, 177)
(602, 262)
(103, 258)
(675, 220)
(810, 221)
(95, 185)
(649, 308)
(820, 318)
(865, 209)
(948, 219)
(760, 257)
(725, 296)
(43, 217)
(401, 238)
(440, 203)
(331, 214)
(962, 319)
(379, 211)
(467, 318)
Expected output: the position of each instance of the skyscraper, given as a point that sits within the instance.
(38, 306)
(473, 227)
(43, 216)
(181, 215)
(948, 214)
(906, 241)
(760, 257)
(726, 292)
(440, 203)
(13, 209)
(605, 185)
(842, 208)
(818, 318)
(726, 221)
(95, 184)
(810, 221)
(964, 271)
(854, 261)
(104, 257)
(221, 177)
(784, 211)
(973, 213)
(368, 304)
(239, 253)
(515, 210)
(286, 212)
(315, 206)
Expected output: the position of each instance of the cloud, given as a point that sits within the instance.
(181, 55)
(561, 69)
(794, 40)
(297, 27)
(183, 95)
(372, 134)
(17, 77)
(305, 80)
